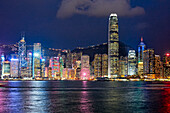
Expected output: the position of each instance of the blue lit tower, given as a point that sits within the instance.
(141, 48)
(113, 47)
(22, 54)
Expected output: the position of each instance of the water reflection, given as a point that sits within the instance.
(85, 96)
(1, 100)
(165, 99)
(15, 100)
(85, 101)
(36, 97)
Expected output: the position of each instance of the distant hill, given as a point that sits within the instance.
(101, 49)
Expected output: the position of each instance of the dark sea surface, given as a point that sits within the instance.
(85, 97)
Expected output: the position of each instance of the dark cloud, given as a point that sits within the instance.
(98, 8)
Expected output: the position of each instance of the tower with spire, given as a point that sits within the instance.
(22, 54)
(141, 48)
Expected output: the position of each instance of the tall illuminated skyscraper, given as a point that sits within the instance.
(37, 60)
(141, 48)
(149, 63)
(22, 56)
(113, 47)
(132, 62)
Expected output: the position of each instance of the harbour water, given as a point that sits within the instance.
(85, 97)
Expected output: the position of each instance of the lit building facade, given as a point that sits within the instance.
(166, 64)
(6, 69)
(69, 60)
(22, 57)
(55, 66)
(42, 67)
(2, 59)
(29, 63)
(123, 66)
(37, 60)
(158, 66)
(132, 62)
(141, 48)
(105, 65)
(61, 67)
(76, 57)
(85, 68)
(98, 65)
(149, 63)
(14, 65)
(113, 47)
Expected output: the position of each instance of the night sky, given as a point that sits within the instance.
(67, 24)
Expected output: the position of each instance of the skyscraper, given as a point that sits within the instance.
(166, 64)
(55, 65)
(105, 65)
(113, 47)
(29, 63)
(69, 60)
(14, 65)
(5, 69)
(149, 63)
(158, 66)
(132, 62)
(22, 56)
(141, 48)
(123, 66)
(36, 60)
(85, 68)
(98, 65)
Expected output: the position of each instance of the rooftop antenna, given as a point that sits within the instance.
(141, 39)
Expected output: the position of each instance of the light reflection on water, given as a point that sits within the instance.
(85, 96)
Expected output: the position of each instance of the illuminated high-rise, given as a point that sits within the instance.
(166, 64)
(61, 67)
(14, 65)
(5, 69)
(22, 56)
(104, 65)
(158, 66)
(149, 63)
(98, 65)
(37, 60)
(123, 66)
(2, 59)
(69, 60)
(132, 62)
(55, 66)
(141, 48)
(29, 63)
(85, 68)
(113, 47)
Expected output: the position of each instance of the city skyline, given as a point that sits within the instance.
(33, 64)
(83, 29)
(84, 56)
